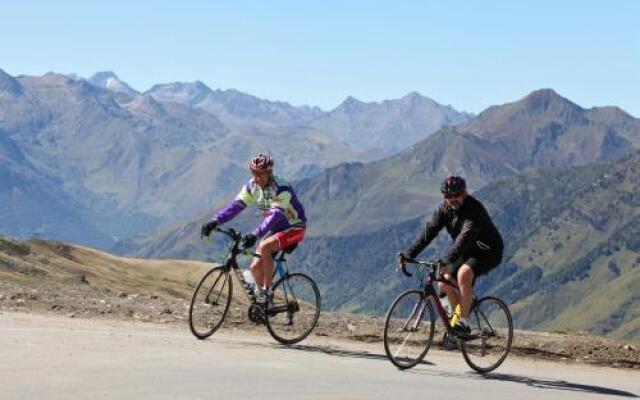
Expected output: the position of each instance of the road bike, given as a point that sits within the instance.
(410, 325)
(290, 312)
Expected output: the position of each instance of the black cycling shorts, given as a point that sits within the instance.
(481, 262)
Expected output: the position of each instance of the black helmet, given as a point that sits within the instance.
(453, 185)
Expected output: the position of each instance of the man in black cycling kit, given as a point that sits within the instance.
(477, 246)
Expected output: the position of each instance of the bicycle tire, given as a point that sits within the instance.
(205, 307)
(396, 330)
(491, 335)
(285, 310)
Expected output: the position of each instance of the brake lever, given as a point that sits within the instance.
(248, 252)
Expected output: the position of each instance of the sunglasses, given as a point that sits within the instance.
(260, 173)
(452, 196)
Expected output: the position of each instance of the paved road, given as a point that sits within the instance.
(63, 358)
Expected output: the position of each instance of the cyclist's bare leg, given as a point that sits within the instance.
(452, 294)
(465, 283)
(262, 268)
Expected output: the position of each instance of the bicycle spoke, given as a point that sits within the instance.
(404, 342)
(210, 303)
(294, 309)
(409, 329)
(491, 332)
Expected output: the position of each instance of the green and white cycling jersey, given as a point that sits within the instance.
(279, 203)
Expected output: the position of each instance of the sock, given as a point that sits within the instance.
(456, 315)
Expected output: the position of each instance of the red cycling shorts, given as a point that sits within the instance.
(289, 237)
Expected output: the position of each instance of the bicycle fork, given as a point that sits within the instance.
(416, 316)
(288, 308)
(207, 298)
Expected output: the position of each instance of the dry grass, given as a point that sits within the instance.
(28, 262)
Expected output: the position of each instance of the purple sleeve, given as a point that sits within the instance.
(275, 221)
(230, 211)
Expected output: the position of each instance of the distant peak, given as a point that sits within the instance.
(351, 101)
(196, 86)
(545, 98)
(109, 80)
(190, 93)
(9, 84)
(413, 95)
(349, 104)
(56, 78)
(103, 75)
(201, 85)
(545, 95)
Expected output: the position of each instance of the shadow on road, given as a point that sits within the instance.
(529, 381)
(332, 351)
(557, 384)
(539, 383)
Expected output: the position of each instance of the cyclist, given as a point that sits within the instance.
(284, 220)
(477, 246)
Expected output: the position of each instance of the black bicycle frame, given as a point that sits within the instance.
(232, 264)
(430, 292)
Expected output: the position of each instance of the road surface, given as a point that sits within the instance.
(55, 357)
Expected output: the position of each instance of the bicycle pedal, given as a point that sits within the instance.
(463, 338)
(256, 314)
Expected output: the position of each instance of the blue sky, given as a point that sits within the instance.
(468, 54)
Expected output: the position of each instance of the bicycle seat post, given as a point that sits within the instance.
(279, 269)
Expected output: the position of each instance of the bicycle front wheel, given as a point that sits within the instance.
(210, 302)
(294, 308)
(491, 335)
(409, 329)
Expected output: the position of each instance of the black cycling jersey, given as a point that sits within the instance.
(470, 228)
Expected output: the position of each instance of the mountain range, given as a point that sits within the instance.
(389, 126)
(128, 161)
(356, 198)
(379, 128)
(543, 129)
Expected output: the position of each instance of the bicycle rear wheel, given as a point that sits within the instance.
(294, 308)
(210, 302)
(491, 335)
(409, 329)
